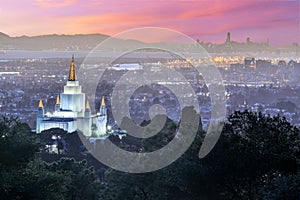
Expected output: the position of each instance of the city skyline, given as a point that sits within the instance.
(208, 21)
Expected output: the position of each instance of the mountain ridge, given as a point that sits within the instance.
(87, 42)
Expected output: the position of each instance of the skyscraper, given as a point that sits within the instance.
(228, 40)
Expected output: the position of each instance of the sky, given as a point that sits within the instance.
(206, 20)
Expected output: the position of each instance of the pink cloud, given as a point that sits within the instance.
(207, 20)
(55, 3)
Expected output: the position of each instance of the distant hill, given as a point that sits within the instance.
(56, 42)
(86, 42)
(4, 36)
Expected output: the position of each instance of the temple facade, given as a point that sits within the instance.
(72, 111)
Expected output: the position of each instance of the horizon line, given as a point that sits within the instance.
(196, 40)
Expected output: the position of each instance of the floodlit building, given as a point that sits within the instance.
(72, 111)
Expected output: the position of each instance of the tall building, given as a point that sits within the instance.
(228, 40)
(72, 111)
(248, 41)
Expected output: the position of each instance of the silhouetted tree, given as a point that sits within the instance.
(251, 147)
(24, 176)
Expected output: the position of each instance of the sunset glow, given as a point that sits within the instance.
(206, 20)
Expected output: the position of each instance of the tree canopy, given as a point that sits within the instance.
(256, 157)
(24, 176)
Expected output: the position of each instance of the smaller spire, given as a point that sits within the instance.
(87, 105)
(41, 103)
(57, 100)
(102, 101)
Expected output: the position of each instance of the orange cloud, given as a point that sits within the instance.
(111, 23)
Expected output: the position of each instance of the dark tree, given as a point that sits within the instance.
(17, 145)
(252, 147)
(84, 182)
(24, 176)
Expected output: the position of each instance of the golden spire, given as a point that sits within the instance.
(87, 105)
(57, 100)
(72, 74)
(41, 103)
(102, 101)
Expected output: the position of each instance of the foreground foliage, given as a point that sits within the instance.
(24, 176)
(256, 157)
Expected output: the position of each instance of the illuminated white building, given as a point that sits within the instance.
(72, 111)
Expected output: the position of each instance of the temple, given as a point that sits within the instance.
(72, 111)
